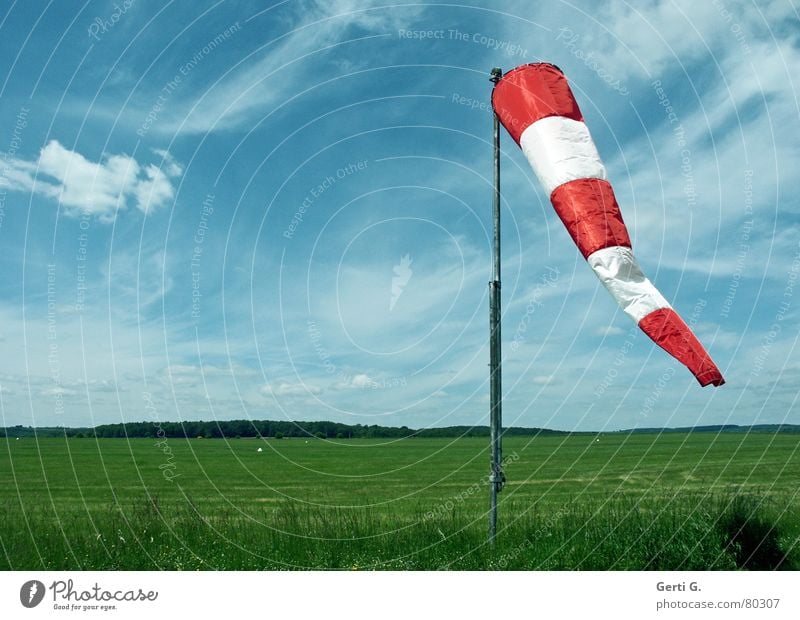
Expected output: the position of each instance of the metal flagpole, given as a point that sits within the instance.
(496, 475)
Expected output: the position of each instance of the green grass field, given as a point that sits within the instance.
(670, 501)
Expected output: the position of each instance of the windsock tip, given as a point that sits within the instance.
(710, 377)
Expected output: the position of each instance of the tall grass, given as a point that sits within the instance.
(693, 533)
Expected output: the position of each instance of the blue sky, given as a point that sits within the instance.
(236, 211)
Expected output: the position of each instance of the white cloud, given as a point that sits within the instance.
(289, 389)
(58, 391)
(610, 330)
(172, 167)
(361, 381)
(102, 188)
(193, 375)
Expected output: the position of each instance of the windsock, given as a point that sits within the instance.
(536, 106)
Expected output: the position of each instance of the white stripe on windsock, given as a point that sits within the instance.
(619, 272)
(561, 149)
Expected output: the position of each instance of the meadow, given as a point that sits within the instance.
(611, 501)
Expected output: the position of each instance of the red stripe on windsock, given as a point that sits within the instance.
(530, 93)
(668, 331)
(589, 210)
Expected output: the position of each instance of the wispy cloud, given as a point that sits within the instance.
(264, 78)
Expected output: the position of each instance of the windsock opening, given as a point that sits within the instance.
(531, 92)
(536, 106)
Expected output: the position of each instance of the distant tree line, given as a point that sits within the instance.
(262, 428)
(333, 430)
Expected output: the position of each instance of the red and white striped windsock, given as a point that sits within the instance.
(535, 104)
